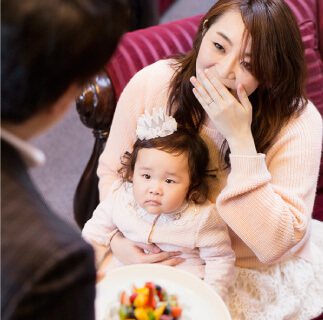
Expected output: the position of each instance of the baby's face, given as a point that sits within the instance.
(161, 180)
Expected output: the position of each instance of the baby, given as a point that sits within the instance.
(161, 198)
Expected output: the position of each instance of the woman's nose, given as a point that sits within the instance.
(226, 67)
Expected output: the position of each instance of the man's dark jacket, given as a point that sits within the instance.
(47, 270)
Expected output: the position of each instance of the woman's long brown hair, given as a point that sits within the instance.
(277, 62)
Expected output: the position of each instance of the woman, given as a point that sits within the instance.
(242, 89)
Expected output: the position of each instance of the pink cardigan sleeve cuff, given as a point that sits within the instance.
(251, 167)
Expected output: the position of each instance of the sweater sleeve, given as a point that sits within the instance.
(141, 93)
(100, 229)
(268, 200)
(214, 244)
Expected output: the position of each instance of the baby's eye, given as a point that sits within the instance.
(218, 46)
(146, 176)
(169, 181)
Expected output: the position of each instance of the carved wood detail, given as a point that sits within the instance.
(96, 106)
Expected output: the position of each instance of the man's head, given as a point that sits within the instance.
(46, 46)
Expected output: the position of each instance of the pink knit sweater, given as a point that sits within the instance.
(266, 200)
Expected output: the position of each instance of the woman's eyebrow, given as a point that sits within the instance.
(224, 37)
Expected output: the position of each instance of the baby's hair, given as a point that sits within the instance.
(181, 141)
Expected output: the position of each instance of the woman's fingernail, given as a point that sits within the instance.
(206, 71)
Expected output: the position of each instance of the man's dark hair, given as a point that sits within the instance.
(46, 45)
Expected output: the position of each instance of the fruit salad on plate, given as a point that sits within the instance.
(150, 302)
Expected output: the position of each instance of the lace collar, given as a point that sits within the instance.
(186, 212)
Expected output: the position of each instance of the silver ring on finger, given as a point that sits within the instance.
(208, 103)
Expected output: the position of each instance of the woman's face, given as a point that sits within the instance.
(220, 52)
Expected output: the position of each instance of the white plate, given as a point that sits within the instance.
(198, 299)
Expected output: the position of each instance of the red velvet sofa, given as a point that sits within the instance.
(143, 47)
(163, 5)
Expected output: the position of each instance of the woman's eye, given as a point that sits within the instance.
(218, 46)
(146, 176)
(169, 181)
(246, 65)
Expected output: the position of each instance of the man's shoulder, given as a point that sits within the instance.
(33, 238)
(37, 245)
(28, 223)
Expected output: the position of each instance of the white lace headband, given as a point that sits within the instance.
(156, 125)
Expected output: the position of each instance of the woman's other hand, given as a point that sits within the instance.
(129, 252)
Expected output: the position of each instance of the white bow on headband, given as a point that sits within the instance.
(156, 125)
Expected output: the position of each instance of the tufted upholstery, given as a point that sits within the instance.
(143, 47)
(163, 5)
(308, 19)
(320, 24)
